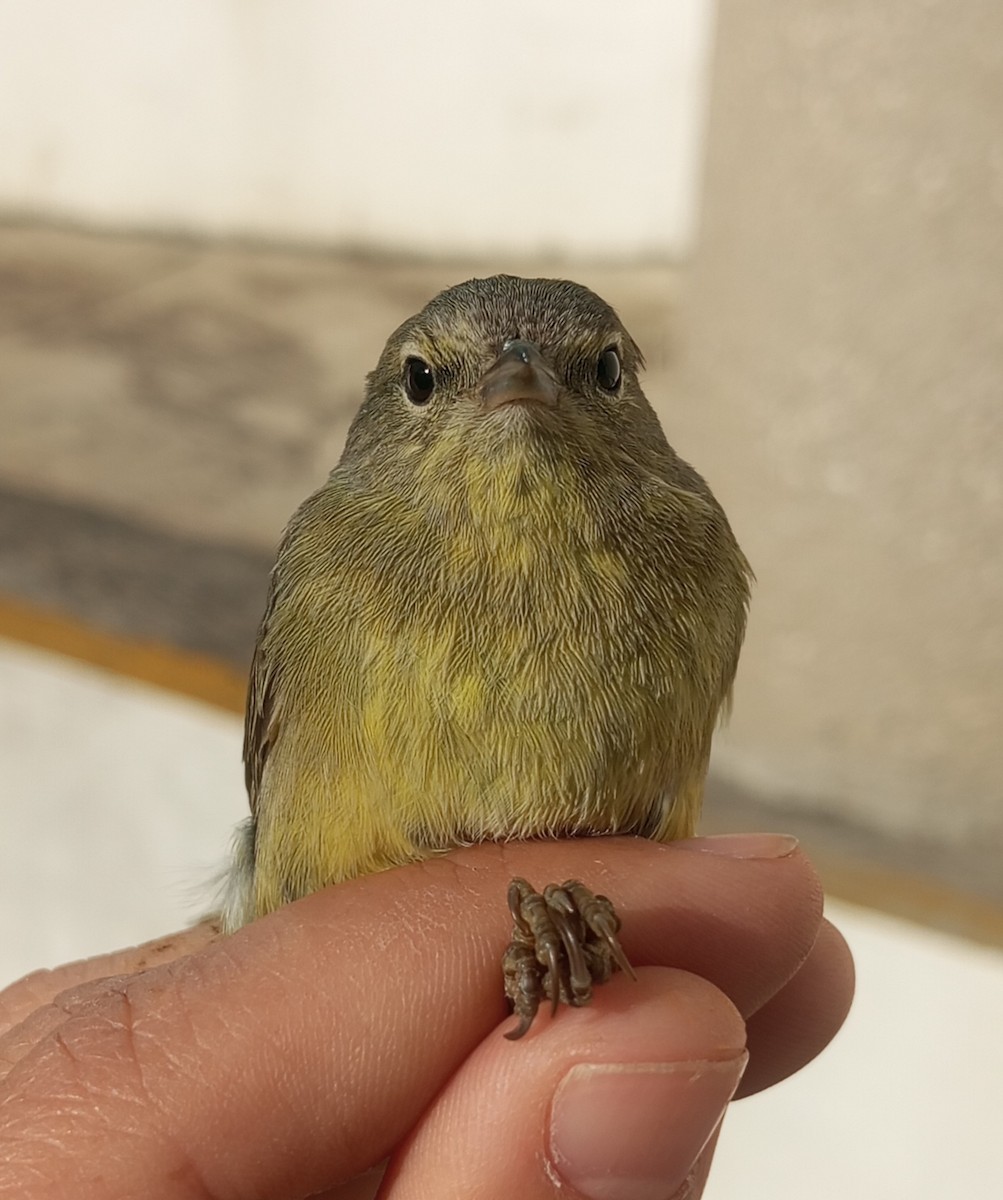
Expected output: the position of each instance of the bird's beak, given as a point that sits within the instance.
(519, 375)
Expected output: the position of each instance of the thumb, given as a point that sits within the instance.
(612, 1102)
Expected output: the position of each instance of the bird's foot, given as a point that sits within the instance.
(563, 943)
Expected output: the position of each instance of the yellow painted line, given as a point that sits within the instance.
(916, 898)
(167, 667)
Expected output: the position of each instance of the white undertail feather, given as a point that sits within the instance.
(235, 903)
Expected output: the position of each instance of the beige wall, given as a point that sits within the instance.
(843, 380)
(442, 127)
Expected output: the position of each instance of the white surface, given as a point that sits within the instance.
(118, 800)
(570, 126)
(116, 809)
(907, 1102)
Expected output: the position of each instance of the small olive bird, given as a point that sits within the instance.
(512, 611)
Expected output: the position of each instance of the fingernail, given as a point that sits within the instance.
(633, 1131)
(742, 845)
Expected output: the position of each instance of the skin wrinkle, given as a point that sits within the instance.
(277, 1080)
(142, 999)
(61, 1044)
(84, 1096)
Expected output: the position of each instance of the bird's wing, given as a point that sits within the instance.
(262, 715)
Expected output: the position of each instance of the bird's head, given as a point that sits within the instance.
(501, 366)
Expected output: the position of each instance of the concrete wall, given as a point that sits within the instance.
(571, 126)
(844, 389)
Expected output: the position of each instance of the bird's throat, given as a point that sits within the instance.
(514, 489)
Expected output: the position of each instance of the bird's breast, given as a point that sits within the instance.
(518, 664)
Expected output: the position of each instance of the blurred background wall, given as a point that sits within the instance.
(844, 323)
(444, 128)
(212, 212)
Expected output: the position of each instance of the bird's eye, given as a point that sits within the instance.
(419, 381)
(608, 369)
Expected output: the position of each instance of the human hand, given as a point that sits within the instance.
(292, 1058)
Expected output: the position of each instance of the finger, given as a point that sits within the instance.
(362, 1187)
(40, 987)
(329, 1026)
(741, 910)
(615, 1101)
(804, 1016)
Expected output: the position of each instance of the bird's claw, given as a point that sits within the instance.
(563, 943)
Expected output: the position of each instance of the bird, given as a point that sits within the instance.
(512, 611)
